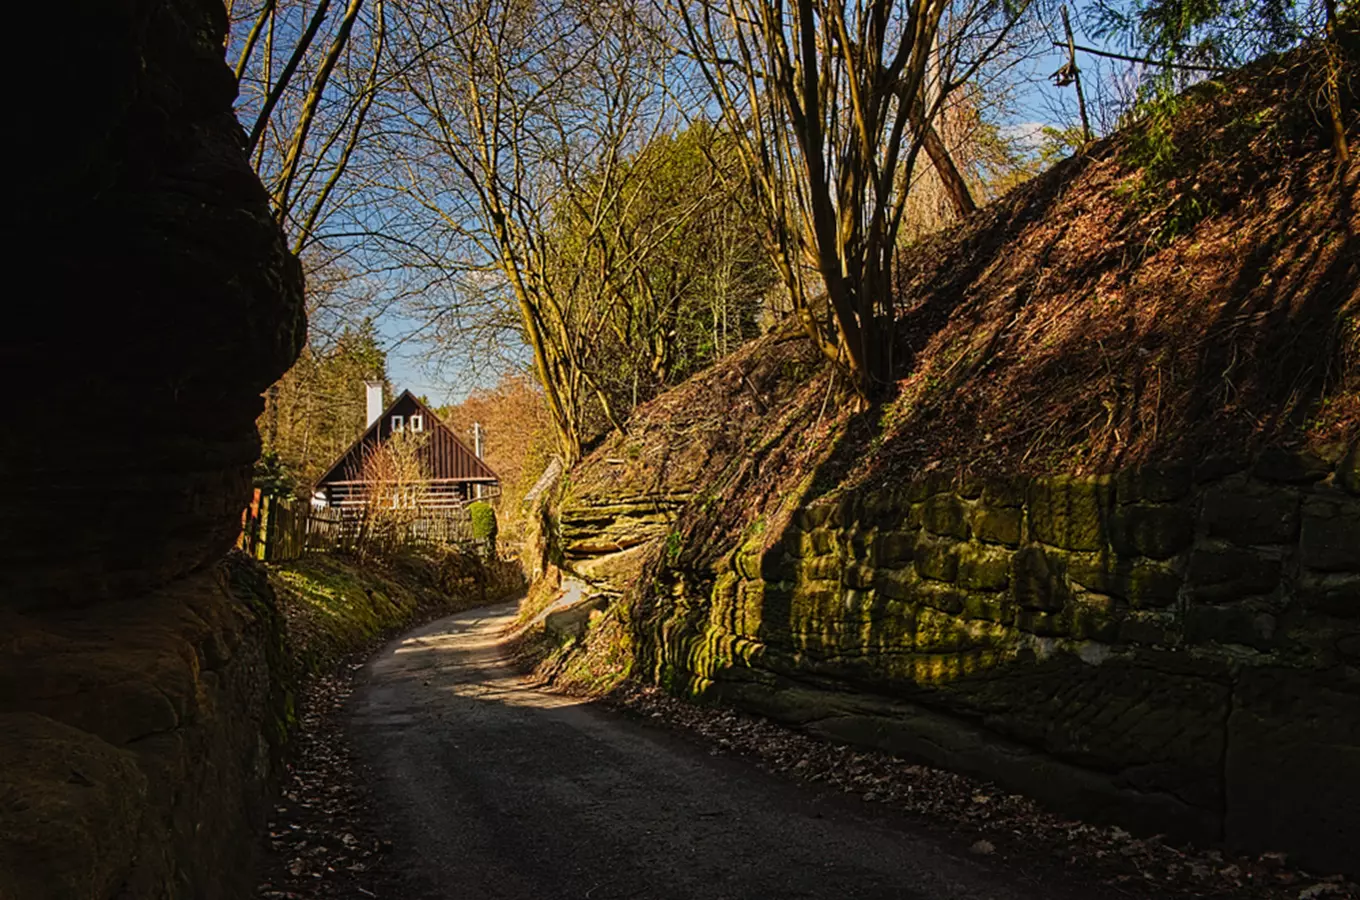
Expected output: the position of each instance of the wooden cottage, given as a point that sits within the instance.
(451, 474)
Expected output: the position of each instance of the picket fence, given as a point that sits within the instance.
(276, 529)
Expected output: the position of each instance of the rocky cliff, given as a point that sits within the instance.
(135, 668)
(167, 302)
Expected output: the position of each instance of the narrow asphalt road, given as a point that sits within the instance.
(494, 789)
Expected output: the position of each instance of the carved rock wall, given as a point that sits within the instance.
(1172, 649)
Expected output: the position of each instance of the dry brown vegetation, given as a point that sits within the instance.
(1085, 322)
(517, 438)
(1099, 316)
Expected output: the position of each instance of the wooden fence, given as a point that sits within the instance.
(277, 529)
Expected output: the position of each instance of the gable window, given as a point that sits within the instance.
(398, 423)
(417, 423)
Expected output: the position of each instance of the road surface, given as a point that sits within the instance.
(494, 789)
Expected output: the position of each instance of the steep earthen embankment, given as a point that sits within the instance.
(1102, 547)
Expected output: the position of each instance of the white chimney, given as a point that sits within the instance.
(373, 394)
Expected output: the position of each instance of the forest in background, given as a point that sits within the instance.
(586, 203)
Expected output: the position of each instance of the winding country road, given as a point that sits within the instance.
(495, 789)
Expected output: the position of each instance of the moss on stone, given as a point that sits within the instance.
(893, 548)
(1037, 580)
(1156, 484)
(1070, 512)
(1094, 617)
(1143, 584)
(998, 525)
(1158, 532)
(937, 561)
(896, 584)
(983, 569)
(989, 606)
(943, 515)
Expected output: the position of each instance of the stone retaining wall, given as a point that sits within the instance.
(1174, 649)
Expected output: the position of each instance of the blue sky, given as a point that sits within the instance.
(1032, 107)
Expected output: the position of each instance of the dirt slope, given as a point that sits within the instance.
(1101, 315)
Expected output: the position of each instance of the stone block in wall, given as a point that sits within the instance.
(943, 515)
(897, 584)
(73, 804)
(858, 575)
(1333, 593)
(814, 600)
(1291, 466)
(1216, 467)
(1243, 624)
(820, 568)
(1152, 713)
(894, 548)
(983, 569)
(806, 544)
(1144, 585)
(1349, 646)
(1247, 516)
(1293, 749)
(1070, 512)
(1217, 575)
(1158, 532)
(998, 525)
(926, 486)
(1004, 492)
(992, 607)
(1041, 623)
(845, 510)
(1153, 484)
(1037, 580)
(859, 544)
(1151, 628)
(942, 597)
(1348, 471)
(937, 561)
(941, 632)
(775, 564)
(1329, 539)
(812, 516)
(1093, 617)
(970, 487)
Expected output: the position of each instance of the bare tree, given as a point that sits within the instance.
(516, 140)
(832, 101)
(396, 485)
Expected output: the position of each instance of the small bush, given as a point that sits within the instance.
(483, 521)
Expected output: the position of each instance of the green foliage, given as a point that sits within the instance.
(483, 520)
(1214, 34)
(682, 273)
(317, 409)
(1057, 144)
(1188, 40)
(272, 476)
(674, 546)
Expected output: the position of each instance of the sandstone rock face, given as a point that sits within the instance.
(1167, 649)
(140, 740)
(166, 302)
(157, 300)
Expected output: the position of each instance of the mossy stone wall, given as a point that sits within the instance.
(1173, 648)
